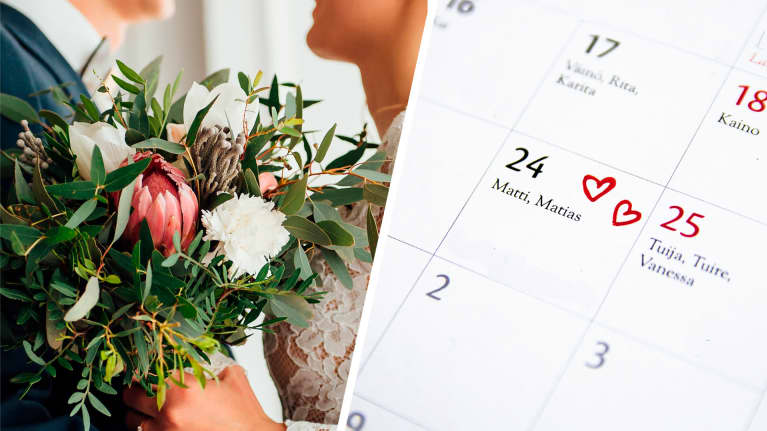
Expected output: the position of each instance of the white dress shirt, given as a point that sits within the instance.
(72, 35)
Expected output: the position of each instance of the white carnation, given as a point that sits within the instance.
(249, 232)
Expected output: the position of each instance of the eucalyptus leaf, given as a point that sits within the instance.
(16, 109)
(160, 144)
(252, 183)
(23, 191)
(86, 302)
(338, 235)
(82, 213)
(121, 177)
(376, 194)
(338, 267)
(192, 132)
(373, 175)
(98, 172)
(372, 229)
(130, 73)
(339, 197)
(294, 308)
(323, 148)
(306, 230)
(123, 210)
(75, 190)
(294, 199)
(31, 354)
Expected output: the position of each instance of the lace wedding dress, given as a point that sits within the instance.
(310, 365)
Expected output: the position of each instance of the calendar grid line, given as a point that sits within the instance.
(540, 84)
(409, 244)
(607, 165)
(388, 410)
(652, 346)
(660, 349)
(758, 391)
(608, 327)
(686, 51)
(569, 14)
(540, 412)
(464, 113)
(755, 411)
(591, 159)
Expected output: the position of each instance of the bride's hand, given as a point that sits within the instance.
(229, 405)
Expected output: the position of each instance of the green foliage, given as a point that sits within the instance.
(157, 313)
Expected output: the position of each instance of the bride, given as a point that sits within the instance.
(310, 365)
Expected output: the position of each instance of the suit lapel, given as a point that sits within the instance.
(35, 42)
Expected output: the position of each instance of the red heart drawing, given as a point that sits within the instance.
(601, 186)
(627, 215)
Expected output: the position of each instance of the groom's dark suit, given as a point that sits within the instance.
(30, 64)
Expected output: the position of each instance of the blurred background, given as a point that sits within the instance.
(245, 35)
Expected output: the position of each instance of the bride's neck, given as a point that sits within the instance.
(387, 73)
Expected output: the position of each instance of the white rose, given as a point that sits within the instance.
(110, 140)
(226, 112)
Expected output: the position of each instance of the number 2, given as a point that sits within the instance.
(690, 221)
(355, 421)
(432, 293)
(600, 355)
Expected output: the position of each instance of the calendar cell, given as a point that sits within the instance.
(700, 296)
(458, 332)
(615, 383)
(404, 263)
(365, 416)
(527, 228)
(725, 164)
(437, 173)
(676, 23)
(467, 70)
(605, 100)
(754, 56)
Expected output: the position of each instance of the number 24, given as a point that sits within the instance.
(536, 165)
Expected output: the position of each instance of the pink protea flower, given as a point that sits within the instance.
(162, 198)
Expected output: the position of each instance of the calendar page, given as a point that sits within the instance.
(577, 232)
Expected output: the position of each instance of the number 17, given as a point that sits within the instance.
(595, 38)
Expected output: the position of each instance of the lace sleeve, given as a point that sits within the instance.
(310, 365)
(308, 426)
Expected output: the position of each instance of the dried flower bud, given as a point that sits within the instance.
(33, 150)
(215, 156)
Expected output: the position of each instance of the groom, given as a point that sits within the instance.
(46, 44)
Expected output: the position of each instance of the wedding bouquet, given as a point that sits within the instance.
(139, 239)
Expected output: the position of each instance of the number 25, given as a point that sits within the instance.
(679, 215)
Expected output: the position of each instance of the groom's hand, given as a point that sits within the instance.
(229, 405)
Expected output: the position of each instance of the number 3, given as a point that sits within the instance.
(600, 355)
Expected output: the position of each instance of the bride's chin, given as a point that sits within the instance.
(316, 45)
